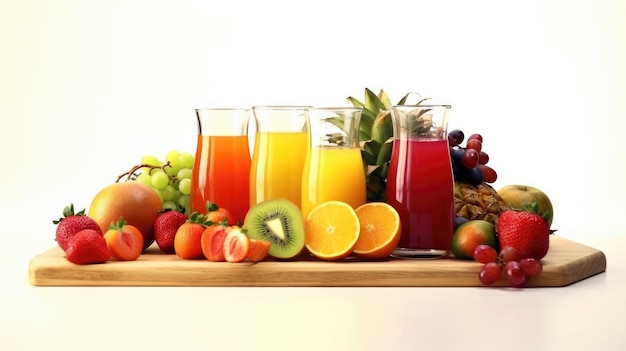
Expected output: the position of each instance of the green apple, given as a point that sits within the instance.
(522, 196)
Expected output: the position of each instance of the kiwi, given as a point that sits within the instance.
(280, 222)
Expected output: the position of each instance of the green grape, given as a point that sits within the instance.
(172, 170)
(144, 178)
(185, 160)
(169, 205)
(152, 161)
(184, 186)
(168, 193)
(185, 201)
(184, 173)
(172, 157)
(160, 180)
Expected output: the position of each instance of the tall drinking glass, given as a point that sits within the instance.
(333, 168)
(280, 146)
(420, 184)
(222, 163)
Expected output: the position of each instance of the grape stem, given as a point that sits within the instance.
(132, 173)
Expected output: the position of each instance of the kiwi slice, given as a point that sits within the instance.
(280, 222)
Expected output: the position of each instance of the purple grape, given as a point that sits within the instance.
(456, 135)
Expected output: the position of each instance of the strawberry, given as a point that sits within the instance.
(87, 246)
(165, 227)
(216, 214)
(71, 223)
(526, 231)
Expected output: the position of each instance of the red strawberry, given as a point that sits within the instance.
(165, 227)
(71, 223)
(87, 246)
(526, 231)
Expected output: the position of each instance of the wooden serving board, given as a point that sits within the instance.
(567, 262)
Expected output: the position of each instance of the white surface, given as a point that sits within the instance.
(88, 87)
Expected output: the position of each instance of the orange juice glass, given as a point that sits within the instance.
(222, 162)
(280, 146)
(333, 168)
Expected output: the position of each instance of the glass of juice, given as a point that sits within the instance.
(333, 168)
(280, 146)
(222, 164)
(420, 184)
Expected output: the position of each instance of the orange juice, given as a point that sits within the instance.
(220, 174)
(333, 173)
(277, 162)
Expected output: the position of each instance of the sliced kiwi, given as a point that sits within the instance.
(280, 222)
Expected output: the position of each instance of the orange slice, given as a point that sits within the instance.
(380, 230)
(331, 230)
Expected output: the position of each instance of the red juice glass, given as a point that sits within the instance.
(420, 183)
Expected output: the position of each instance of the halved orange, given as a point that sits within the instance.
(380, 230)
(331, 230)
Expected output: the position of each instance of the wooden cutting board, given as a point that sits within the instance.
(567, 262)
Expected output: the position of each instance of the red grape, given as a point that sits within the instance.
(470, 159)
(485, 254)
(489, 174)
(474, 144)
(531, 266)
(483, 158)
(508, 254)
(516, 274)
(490, 273)
(475, 136)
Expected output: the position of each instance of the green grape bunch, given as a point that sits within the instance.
(170, 178)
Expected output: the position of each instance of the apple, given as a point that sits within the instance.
(471, 234)
(521, 196)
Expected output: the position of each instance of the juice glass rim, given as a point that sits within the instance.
(336, 108)
(223, 109)
(281, 107)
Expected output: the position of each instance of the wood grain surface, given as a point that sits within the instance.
(567, 262)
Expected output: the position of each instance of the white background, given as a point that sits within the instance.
(89, 87)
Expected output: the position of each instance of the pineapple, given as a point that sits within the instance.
(480, 201)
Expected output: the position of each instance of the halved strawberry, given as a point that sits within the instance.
(213, 242)
(236, 245)
(124, 241)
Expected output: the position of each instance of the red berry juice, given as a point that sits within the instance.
(420, 186)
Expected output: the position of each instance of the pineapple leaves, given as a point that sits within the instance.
(383, 127)
(368, 158)
(384, 98)
(372, 102)
(385, 153)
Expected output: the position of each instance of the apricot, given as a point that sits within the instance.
(136, 202)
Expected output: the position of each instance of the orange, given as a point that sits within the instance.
(380, 230)
(136, 202)
(331, 230)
